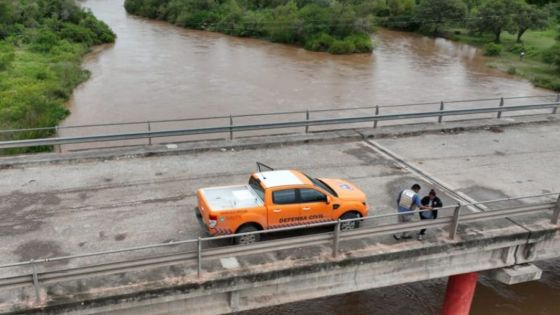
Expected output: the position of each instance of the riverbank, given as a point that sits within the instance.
(40, 62)
(531, 66)
(332, 27)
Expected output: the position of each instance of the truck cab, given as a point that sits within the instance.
(276, 199)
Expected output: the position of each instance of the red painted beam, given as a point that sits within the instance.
(459, 294)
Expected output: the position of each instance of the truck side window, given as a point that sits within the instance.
(311, 195)
(282, 197)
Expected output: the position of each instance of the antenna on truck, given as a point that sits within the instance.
(262, 166)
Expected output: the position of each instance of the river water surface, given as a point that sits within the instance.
(158, 71)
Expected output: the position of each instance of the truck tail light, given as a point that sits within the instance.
(213, 220)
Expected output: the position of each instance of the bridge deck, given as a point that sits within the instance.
(58, 209)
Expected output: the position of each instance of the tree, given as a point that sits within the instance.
(529, 17)
(472, 4)
(400, 7)
(437, 12)
(541, 2)
(496, 16)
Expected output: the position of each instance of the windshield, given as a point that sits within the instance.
(319, 183)
(256, 185)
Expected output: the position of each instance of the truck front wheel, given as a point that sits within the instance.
(247, 239)
(346, 226)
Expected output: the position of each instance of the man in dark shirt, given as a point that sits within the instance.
(431, 200)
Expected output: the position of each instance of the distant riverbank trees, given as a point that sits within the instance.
(479, 16)
(339, 27)
(503, 28)
(519, 33)
(41, 44)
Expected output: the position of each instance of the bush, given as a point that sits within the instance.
(69, 75)
(103, 34)
(321, 42)
(529, 51)
(339, 47)
(512, 70)
(552, 55)
(314, 24)
(492, 49)
(68, 51)
(517, 49)
(78, 34)
(359, 42)
(362, 42)
(41, 76)
(44, 41)
(547, 83)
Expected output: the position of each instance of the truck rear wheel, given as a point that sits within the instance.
(247, 239)
(346, 226)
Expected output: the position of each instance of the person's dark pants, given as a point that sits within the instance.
(423, 231)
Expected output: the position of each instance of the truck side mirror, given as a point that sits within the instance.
(329, 200)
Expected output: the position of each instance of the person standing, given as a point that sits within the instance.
(432, 201)
(407, 201)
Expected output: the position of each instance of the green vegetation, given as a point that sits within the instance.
(339, 27)
(41, 45)
(440, 11)
(492, 49)
(504, 28)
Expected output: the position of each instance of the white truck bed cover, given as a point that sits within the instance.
(231, 197)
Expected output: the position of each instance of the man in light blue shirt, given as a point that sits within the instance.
(407, 201)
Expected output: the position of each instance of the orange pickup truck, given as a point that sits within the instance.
(275, 199)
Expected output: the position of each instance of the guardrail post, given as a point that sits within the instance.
(58, 147)
(307, 121)
(336, 238)
(150, 132)
(376, 114)
(230, 127)
(455, 222)
(556, 213)
(36, 282)
(555, 109)
(501, 105)
(199, 262)
(441, 107)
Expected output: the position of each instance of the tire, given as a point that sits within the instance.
(347, 226)
(247, 239)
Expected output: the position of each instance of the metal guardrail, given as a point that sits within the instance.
(231, 128)
(501, 100)
(332, 239)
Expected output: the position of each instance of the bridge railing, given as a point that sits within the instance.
(176, 130)
(197, 256)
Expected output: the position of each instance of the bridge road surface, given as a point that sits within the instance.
(49, 210)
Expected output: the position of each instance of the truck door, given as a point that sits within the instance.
(284, 209)
(314, 205)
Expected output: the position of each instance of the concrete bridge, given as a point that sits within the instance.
(71, 205)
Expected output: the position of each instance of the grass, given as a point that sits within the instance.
(531, 67)
(35, 87)
(40, 63)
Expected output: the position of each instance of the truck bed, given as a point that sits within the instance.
(231, 197)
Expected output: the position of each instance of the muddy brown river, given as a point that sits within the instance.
(158, 71)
